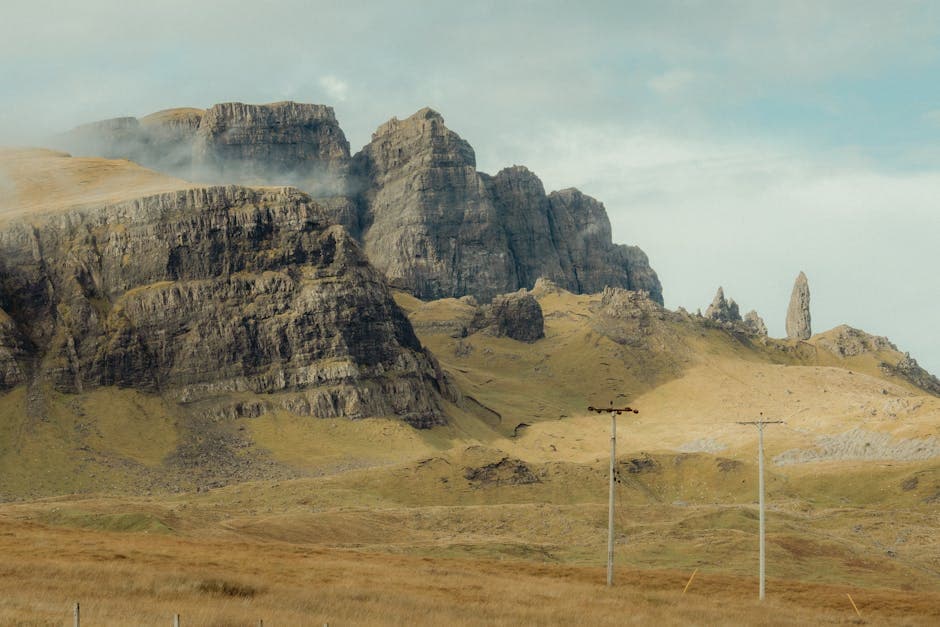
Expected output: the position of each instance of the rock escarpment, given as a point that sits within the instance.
(205, 295)
(517, 316)
(439, 228)
(799, 325)
(412, 196)
(284, 143)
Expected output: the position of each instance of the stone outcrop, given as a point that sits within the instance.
(722, 310)
(726, 314)
(438, 228)
(206, 294)
(846, 341)
(799, 325)
(517, 316)
(755, 324)
(908, 369)
(284, 143)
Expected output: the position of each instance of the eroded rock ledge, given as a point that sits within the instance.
(207, 294)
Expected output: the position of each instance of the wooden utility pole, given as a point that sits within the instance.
(614, 412)
(760, 486)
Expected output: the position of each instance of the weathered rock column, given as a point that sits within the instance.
(798, 318)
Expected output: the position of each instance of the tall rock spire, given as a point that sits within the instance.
(798, 318)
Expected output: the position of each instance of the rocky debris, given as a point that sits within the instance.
(12, 353)
(205, 292)
(283, 143)
(638, 465)
(908, 369)
(798, 318)
(722, 310)
(847, 341)
(507, 471)
(439, 228)
(632, 319)
(859, 444)
(728, 465)
(755, 323)
(517, 316)
(703, 445)
(624, 304)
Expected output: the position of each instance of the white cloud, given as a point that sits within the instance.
(335, 88)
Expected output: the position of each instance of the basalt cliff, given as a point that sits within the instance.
(412, 197)
(236, 299)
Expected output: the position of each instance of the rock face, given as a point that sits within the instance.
(412, 196)
(284, 143)
(798, 319)
(907, 368)
(755, 323)
(517, 316)
(722, 310)
(205, 294)
(438, 228)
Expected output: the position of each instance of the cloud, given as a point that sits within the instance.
(335, 88)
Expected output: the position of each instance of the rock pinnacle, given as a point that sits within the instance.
(798, 318)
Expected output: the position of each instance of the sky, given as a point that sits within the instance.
(737, 143)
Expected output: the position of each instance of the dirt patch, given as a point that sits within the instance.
(909, 484)
(640, 465)
(801, 548)
(728, 465)
(504, 472)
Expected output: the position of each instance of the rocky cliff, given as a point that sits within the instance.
(412, 196)
(283, 143)
(206, 294)
(439, 228)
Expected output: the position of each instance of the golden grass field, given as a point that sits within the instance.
(499, 517)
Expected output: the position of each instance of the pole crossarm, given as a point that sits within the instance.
(762, 422)
(614, 410)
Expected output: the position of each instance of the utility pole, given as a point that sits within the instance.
(614, 412)
(760, 423)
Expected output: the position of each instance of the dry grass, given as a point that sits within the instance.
(144, 579)
(42, 181)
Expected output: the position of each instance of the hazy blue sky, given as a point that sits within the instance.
(736, 142)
